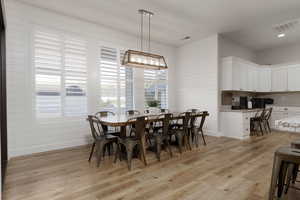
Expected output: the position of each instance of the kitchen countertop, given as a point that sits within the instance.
(241, 111)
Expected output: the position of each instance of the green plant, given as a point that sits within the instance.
(153, 103)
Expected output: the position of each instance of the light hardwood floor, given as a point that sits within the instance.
(225, 169)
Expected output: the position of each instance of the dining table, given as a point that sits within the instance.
(124, 120)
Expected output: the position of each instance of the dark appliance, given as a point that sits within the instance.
(261, 102)
(239, 103)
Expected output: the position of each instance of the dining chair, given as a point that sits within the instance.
(133, 141)
(266, 119)
(181, 132)
(106, 129)
(133, 112)
(161, 134)
(101, 140)
(197, 129)
(257, 122)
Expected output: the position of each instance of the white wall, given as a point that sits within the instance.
(283, 54)
(197, 79)
(26, 134)
(228, 47)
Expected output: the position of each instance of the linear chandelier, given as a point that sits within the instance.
(142, 59)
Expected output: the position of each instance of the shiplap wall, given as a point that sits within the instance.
(197, 79)
(28, 135)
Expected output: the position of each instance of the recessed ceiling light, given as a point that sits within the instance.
(281, 35)
(186, 38)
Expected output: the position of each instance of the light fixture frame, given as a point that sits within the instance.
(127, 61)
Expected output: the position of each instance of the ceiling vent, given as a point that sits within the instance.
(286, 26)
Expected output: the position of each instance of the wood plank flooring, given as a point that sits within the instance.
(224, 169)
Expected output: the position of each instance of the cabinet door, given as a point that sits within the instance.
(264, 79)
(279, 79)
(252, 78)
(294, 78)
(239, 76)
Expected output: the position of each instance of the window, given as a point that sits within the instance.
(60, 75)
(116, 86)
(155, 84)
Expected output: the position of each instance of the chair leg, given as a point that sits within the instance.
(261, 129)
(268, 124)
(99, 153)
(117, 153)
(169, 147)
(187, 141)
(129, 157)
(203, 138)
(92, 151)
(158, 148)
(179, 140)
(274, 178)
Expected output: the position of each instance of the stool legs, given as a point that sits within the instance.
(275, 174)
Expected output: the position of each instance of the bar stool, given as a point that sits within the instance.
(295, 145)
(283, 158)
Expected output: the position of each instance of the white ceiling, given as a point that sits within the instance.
(249, 22)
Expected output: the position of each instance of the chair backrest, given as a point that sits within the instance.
(268, 114)
(164, 110)
(166, 123)
(95, 126)
(186, 121)
(193, 110)
(139, 124)
(133, 112)
(104, 113)
(199, 126)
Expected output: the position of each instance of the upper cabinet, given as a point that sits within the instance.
(293, 78)
(241, 75)
(238, 75)
(264, 79)
(252, 79)
(279, 79)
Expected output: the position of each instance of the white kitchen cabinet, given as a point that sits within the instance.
(264, 79)
(294, 78)
(252, 79)
(279, 79)
(234, 74)
(236, 124)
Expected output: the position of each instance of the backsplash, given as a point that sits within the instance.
(284, 99)
(280, 99)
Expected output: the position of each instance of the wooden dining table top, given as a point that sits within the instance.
(123, 119)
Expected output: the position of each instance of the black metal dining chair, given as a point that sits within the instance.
(266, 119)
(101, 140)
(197, 128)
(257, 122)
(161, 134)
(132, 142)
(106, 129)
(181, 132)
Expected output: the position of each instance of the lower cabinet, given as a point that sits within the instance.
(236, 124)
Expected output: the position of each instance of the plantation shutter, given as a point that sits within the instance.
(116, 89)
(75, 77)
(60, 64)
(155, 87)
(48, 74)
(108, 71)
